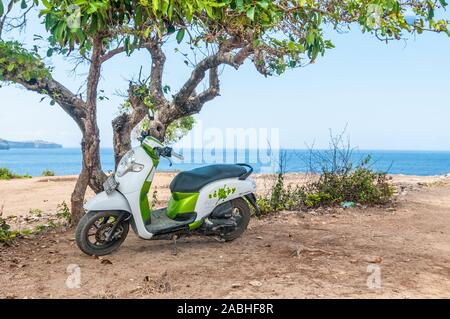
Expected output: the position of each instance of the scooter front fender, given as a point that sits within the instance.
(112, 201)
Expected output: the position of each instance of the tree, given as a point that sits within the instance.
(273, 35)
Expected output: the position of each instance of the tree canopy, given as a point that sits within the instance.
(280, 34)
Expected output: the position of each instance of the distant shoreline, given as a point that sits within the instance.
(37, 144)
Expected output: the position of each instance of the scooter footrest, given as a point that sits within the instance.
(160, 223)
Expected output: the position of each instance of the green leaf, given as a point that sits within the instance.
(138, 16)
(310, 38)
(2, 8)
(127, 45)
(23, 4)
(10, 67)
(251, 13)
(27, 76)
(180, 35)
(263, 4)
(171, 29)
(240, 5)
(46, 4)
(155, 6)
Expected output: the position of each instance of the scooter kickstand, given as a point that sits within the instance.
(175, 249)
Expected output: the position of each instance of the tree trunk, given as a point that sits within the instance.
(124, 124)
(158, 126)
(91, 173)
(121, 136)
(77, 199)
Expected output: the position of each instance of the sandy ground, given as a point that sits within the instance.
(19, 196)
(401, 251)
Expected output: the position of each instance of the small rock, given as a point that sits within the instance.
(255, 283)
(259, 237)
(375, 260)
(236, 285)
(106, 262)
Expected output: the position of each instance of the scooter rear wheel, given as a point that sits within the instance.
(93, 229)
(241, 212)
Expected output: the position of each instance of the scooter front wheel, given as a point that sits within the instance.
(93, 234)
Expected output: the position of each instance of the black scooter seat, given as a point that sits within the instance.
(192, 181)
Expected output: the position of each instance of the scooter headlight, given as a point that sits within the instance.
(128, 164)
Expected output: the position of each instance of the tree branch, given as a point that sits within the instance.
(187, 92)
(214, 87)
(94, 73)
(158, 61)
(111, 53)
(68, 101)
(139, 109)
(5, 16)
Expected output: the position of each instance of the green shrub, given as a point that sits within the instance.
(361, 185)
(7, 236)
(6, 174)
(63, 211)
(36, 212)
(281, 197)
(339, 180)
(48, 172)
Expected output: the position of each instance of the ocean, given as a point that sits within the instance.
(67, 161)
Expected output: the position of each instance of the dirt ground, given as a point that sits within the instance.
(400, 252)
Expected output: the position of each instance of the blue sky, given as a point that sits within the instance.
(390, 96)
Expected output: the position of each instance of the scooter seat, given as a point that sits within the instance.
(192, 181)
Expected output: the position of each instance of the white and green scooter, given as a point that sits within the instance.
(211, 200)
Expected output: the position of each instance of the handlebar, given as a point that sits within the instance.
(168, 152)
(176, 155)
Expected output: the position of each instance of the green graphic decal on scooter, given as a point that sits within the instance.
(223, 192)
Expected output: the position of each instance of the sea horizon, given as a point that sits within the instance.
(67, 160)
(293, 149)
